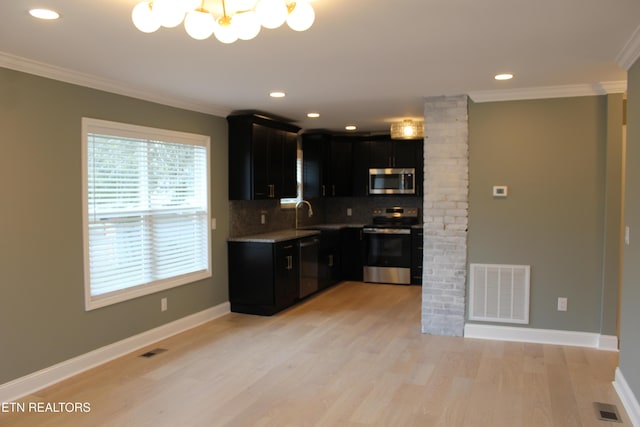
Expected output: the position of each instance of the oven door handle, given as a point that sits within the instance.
(372, 230)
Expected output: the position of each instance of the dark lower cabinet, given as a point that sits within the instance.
(329, 258)
(263, 277)
(417, 252)
(353, 253)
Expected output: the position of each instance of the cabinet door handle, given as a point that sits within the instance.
(272, 192)
(330, 260)
(333, 190)
(289, 262)
(323, 190)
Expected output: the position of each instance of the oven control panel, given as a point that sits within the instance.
(395, 212)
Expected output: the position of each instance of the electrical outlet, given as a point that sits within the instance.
(562, 304)
(163, 304)
(349, 212)
(263, 217)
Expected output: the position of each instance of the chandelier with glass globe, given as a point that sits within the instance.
(227, 20)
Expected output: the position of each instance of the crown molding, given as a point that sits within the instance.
(66, 75)
(630, 52)
(543, 92)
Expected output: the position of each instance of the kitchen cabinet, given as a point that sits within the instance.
(360, 169)
(263, 277)
(417, 252)
(262, 158)
(329, 258)
(327, 170)
(387, 153)
(353, 253)
(382, 152)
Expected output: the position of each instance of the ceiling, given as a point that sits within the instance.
(364, 62)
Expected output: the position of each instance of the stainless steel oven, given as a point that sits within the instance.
(388, 255)
(388, 243)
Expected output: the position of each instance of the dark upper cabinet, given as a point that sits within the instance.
(383, 152)
(380, 154)
(313, 160)
(327, 170)
(361, 160)
(388, 153)
(408, 154)
(339, 168)
(262, 158)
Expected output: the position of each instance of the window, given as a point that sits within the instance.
(145, 210)
(291, 202)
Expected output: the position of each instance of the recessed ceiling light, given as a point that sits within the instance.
(313, 115)
(350, 127)
(277, 94)
(47, 14)
(505, 76)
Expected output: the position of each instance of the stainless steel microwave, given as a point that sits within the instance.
(392, 181)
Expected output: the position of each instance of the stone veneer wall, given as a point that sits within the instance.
(445, 214)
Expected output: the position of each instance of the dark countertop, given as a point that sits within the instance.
(332, 226)
(292, 234)
(276, 236)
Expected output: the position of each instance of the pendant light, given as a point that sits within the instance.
(407, 129)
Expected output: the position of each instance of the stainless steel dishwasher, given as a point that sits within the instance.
(308, 266)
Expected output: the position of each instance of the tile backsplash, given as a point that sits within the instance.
(245, 215)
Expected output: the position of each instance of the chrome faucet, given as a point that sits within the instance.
(303, 202)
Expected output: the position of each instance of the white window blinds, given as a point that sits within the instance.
(147, 211)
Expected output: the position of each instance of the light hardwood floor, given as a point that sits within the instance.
(351, 356)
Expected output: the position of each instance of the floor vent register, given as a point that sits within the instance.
(153, 352)
(607, 412)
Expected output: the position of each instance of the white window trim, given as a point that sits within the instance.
(90, 125)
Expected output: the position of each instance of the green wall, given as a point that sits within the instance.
(552, 155)
(614, 182)
(630, 313)
(42, 316)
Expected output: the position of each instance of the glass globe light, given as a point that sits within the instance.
(170, 13)
(272, 13)
(143, 18)
(301, 17)
(247, 25)
(199, 24)
(225, 32)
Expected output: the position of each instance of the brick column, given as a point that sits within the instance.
(445, 211)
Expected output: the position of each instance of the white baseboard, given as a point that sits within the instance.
(543, 336)
(627, 397)
(45, 377)
(608, 342)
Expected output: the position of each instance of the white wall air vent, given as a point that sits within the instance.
(499, 293)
